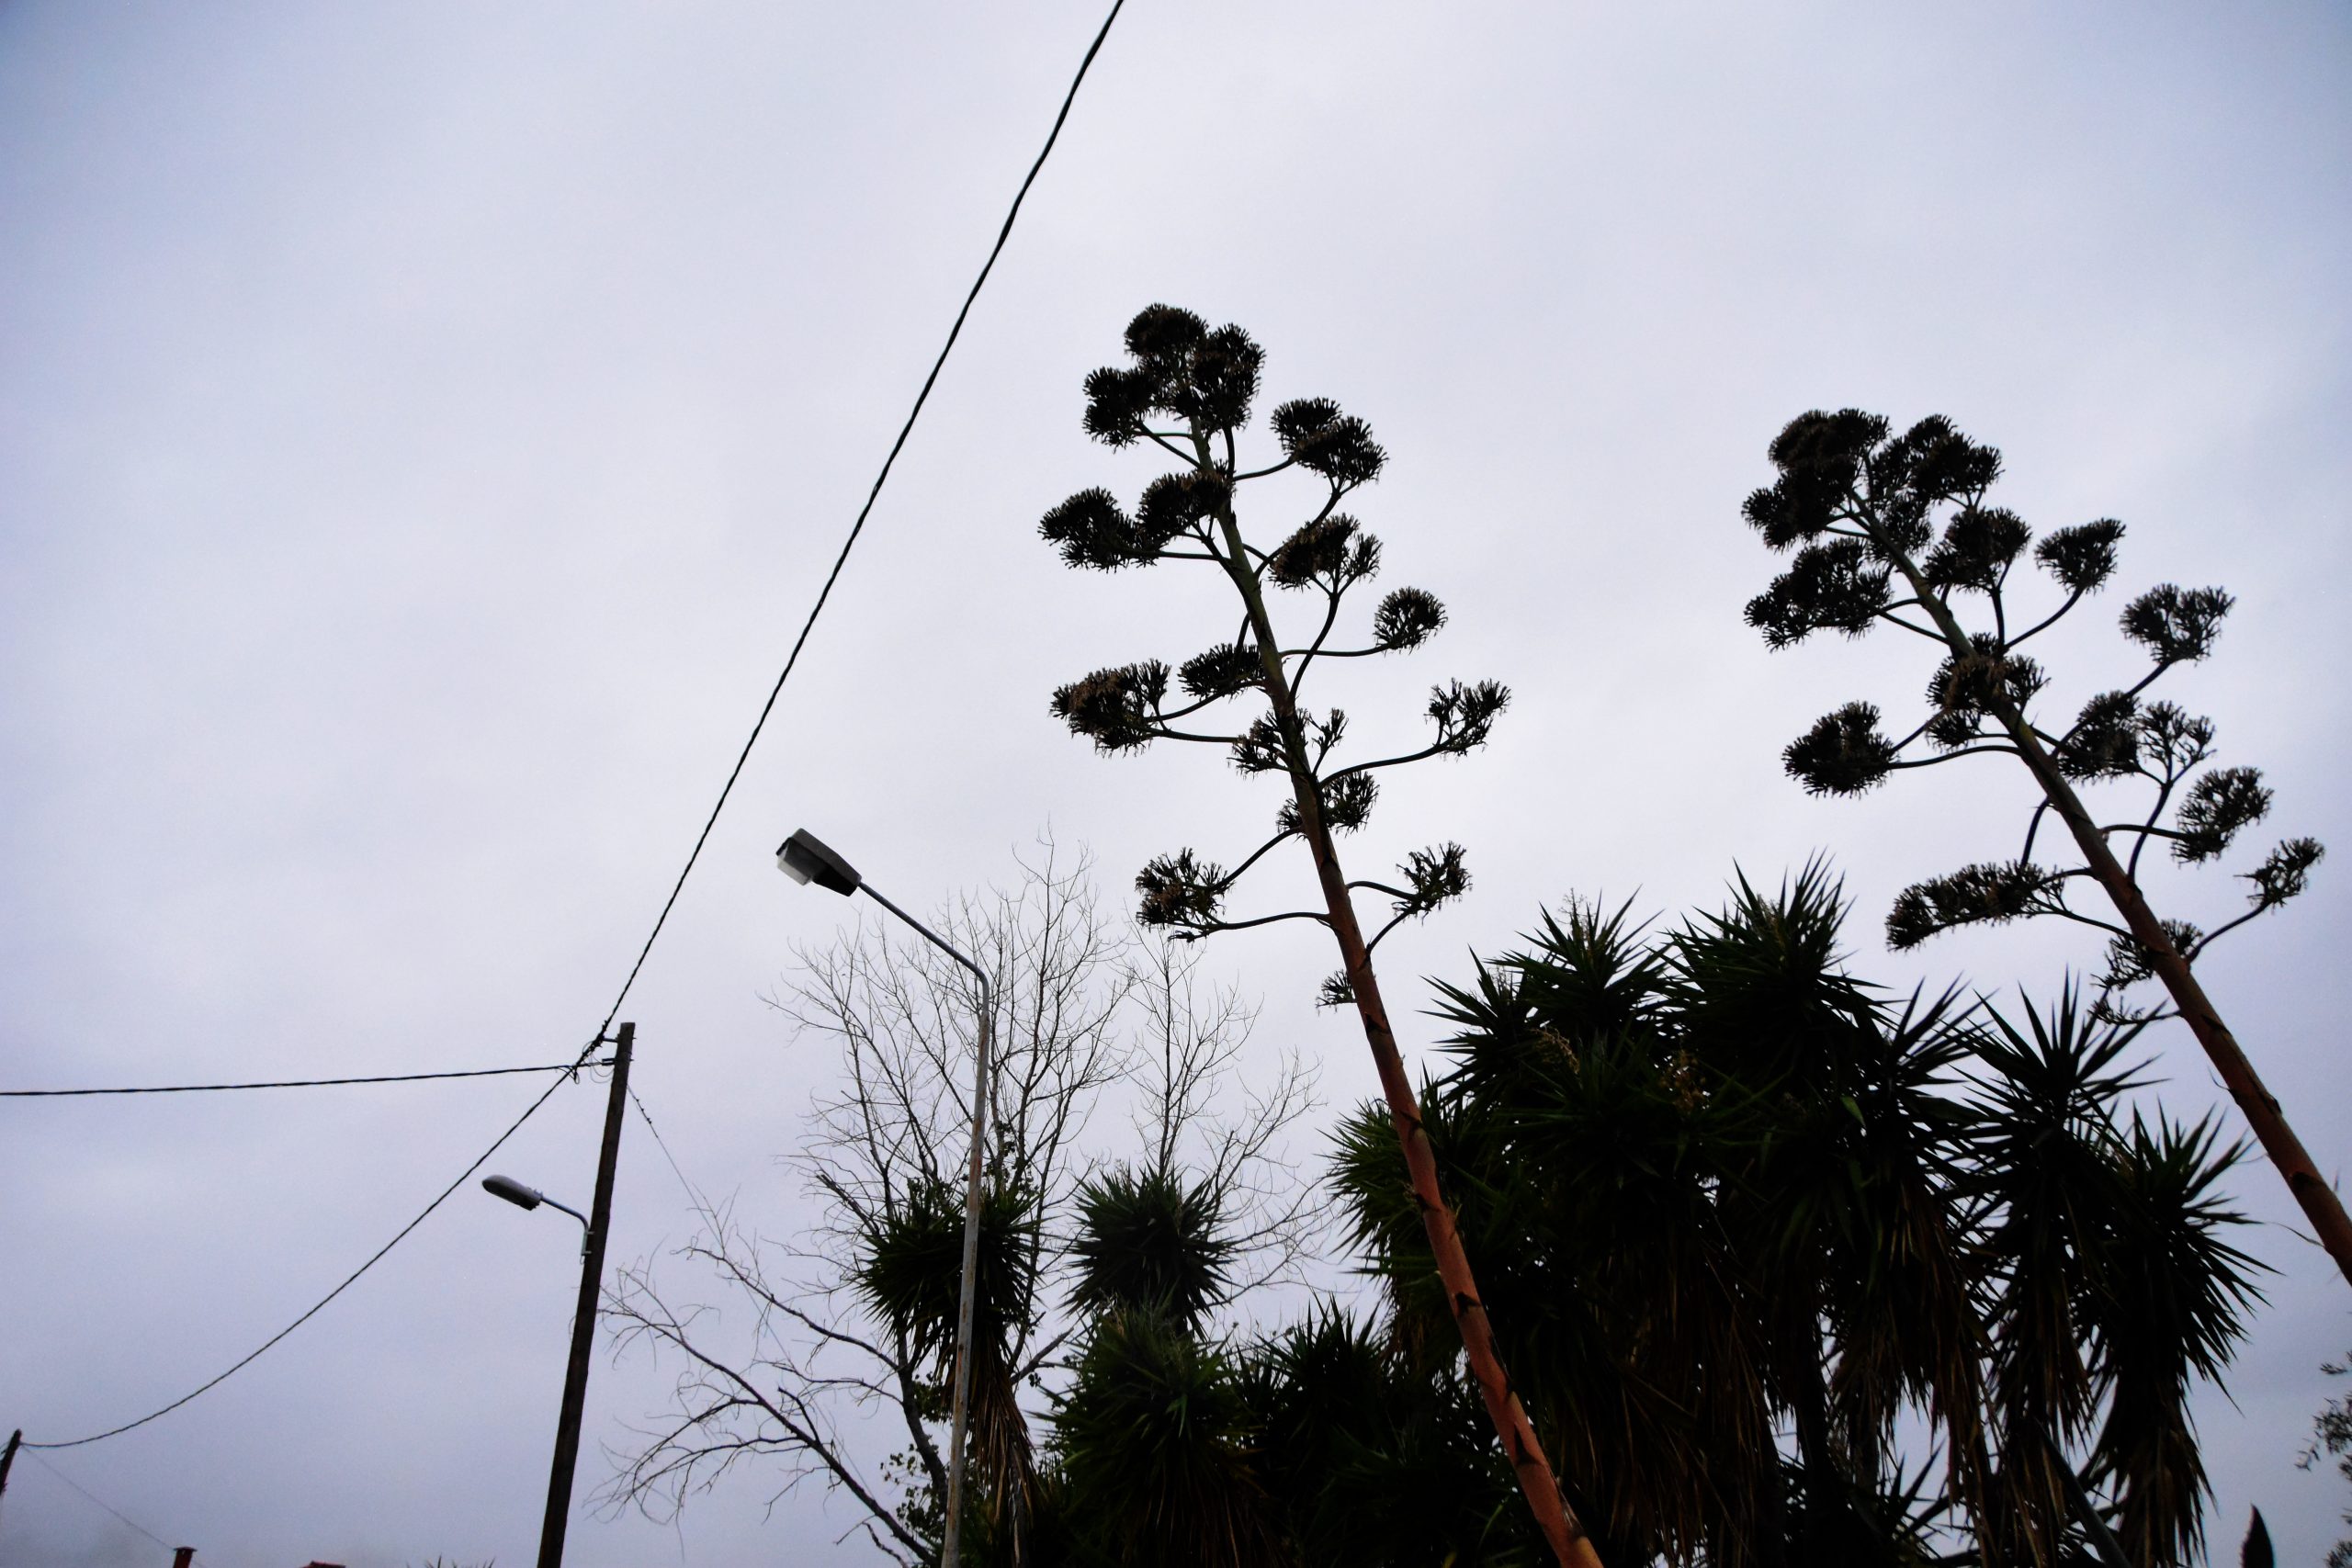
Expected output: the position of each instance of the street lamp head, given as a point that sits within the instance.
(804, 857)
(514, 1191)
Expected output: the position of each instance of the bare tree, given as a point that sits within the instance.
(1196, 1112)
(1089, 1009)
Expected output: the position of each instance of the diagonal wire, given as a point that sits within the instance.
(101, 1502)
(284, 1083)
(677, 1171)
(349, 1279)
(862, 513)
(955, 331)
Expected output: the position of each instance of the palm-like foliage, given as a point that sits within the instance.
(2168, 1318)
(1841, 1190)
(910, 1275)
(1148, 1242)
(2114, 1287)
(1154, 1450)
(1746, 1210)
(1375, 1456)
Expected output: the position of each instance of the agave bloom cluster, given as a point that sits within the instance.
(1897, 529)
(1190, 391)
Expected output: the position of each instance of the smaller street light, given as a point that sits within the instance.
(805, 858)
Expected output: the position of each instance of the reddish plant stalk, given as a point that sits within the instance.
(1561, 1529)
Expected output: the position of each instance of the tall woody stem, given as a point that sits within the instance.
(1569, 1543)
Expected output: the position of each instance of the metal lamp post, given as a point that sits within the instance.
(595, 1224)
(805, 858)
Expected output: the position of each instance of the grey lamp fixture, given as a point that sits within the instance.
(524, 1197)
(805, 858)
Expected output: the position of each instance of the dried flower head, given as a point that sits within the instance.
(2105, 741)
(2082, 556)
(1092, 532)
(1842, 754)
(1977, 548)
(1465, 714)
(1834, 584)
(1116, 708)
(1406, 619)
(1180, 890)
(1318, 552)
(1222, 670)
(1317, 437)
(2217, 807)
(1967, 692)
(2176, 625)
(1990, 893)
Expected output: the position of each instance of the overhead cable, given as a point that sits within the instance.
(758, 725)
(692, 1192)
(99, 1501)
(284, 1083)
(862, 513)
(349, 1279)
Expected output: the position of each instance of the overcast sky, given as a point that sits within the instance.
(423, 426)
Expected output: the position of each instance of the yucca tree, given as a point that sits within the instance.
(1587, 1115)
(1188, 392)
(1707, 1158)
(910, 1277)
(1897, 529)
(1153, 1444)
(1737, 1192)
(2112, 1288)
(1843, 1192)
(1375, 1457)
(1323, 1444)
(1147, 1241)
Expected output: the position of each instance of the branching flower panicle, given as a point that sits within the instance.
(1896, 529)
(1188, 390)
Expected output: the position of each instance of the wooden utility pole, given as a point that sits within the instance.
(8, 1457)
(183, 1556)
(583, 1319)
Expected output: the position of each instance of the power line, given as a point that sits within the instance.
(285, 1083)
(349, 1279)
(953, 331)
(101, 1502)
(677, 1171)
(859, 525)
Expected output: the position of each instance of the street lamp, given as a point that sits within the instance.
(593, 1227)
(805, 858)
(524, 1197)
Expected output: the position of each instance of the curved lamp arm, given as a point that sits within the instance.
(806, 858)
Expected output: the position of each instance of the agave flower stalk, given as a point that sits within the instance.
(1864, 505)
(1188, 391)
